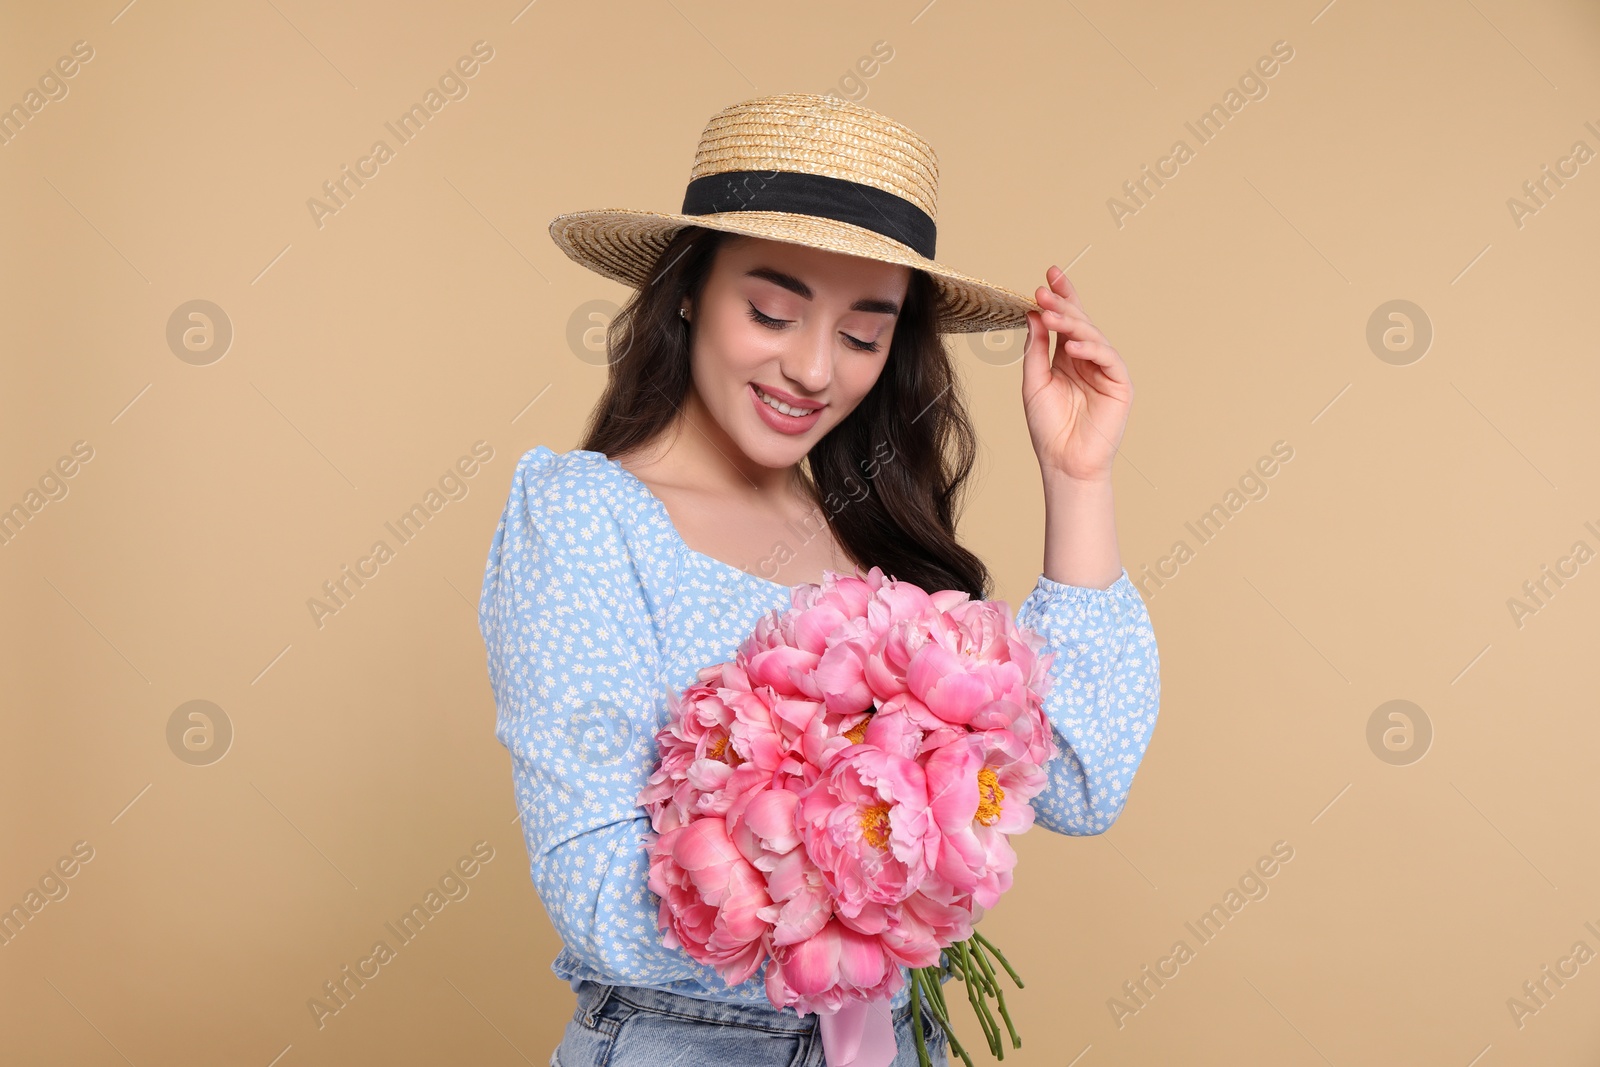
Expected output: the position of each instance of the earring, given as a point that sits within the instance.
(683, 315)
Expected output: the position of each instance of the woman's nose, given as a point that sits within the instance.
(812, 367)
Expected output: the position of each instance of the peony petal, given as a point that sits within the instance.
(771, 816)
(704, 844)
(861, 962)
(812, 965)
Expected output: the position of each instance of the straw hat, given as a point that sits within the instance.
(809, 169)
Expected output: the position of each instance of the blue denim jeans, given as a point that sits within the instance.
(628, 1026)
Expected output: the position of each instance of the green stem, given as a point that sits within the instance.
(970, 961)
(980, 1006)
(1001, 956)
(970, 950)
(936, 987)
(1000, 994)
(916, 1022)
(942, 1014)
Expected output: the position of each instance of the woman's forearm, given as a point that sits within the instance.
(1080, 532)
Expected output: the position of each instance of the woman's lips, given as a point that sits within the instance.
(789, 424)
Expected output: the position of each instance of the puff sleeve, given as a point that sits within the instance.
(1103, 700)
(576, 667)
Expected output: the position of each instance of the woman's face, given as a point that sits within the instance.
(808, 328)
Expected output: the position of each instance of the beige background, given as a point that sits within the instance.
(433, 312)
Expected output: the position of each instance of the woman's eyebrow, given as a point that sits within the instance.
(800, 288)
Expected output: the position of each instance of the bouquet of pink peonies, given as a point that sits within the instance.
(838, 799)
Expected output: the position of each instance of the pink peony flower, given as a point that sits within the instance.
(867, 825)
(923, 925)
(834, 965)
(711, 899)
(977, 795)
(698, 730)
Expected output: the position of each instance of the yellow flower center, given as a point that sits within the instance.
(858, 733)
(718, 747)
(989, 795)
(875, 825)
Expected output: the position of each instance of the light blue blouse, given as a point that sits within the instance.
(592, 605)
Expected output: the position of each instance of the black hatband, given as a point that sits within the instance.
(861, 205)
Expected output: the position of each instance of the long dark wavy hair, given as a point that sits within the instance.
(889, 478)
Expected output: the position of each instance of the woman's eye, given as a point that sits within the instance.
(778, 324)
(755, 313)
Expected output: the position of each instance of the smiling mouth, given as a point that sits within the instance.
(781, 406)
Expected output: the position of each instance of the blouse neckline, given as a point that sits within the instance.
(666, 518)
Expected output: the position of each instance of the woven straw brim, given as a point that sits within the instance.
(624, 244)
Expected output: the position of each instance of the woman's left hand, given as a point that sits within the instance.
(1077, 403)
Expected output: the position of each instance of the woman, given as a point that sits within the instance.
(780, 404)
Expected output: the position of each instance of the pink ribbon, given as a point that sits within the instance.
(860, 1034)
